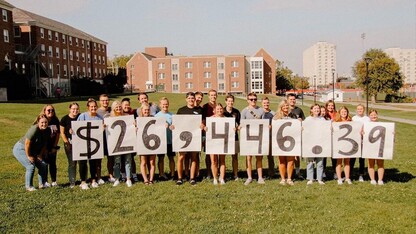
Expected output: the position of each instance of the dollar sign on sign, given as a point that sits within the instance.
(88, 138)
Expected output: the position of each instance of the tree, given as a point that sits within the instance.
(283, 78)
(299, 82)
(119, 61)
(115, 83)
(383, 73)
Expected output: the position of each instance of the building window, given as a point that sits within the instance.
(234, 64)
(63, 39)
(161, 66)
(175, 87)
(51, 68)
(161, 76)
(189, 85)
(234, 74)
(56, 36)
(50, 51)
(58, 69)
(64, 53)
(88, 58)
(174, 67)
(76, 41)
(83, 57)
(207, 85)
(82, 43)
(42, 33)
(220, 76)
(49, 34)
(42, 49)
(221, 66)
(188, 75)
(57, 52)
(17, 32)
(207, 64)
(207, 74)
(256, 65)
(234, 84)
(95, 46)
(175, 77)
(72, 70)
(71, 55)
(4, 13)
(6, 35)
(70, 40)
(77, 55)
(221, 86)
(83, 71)
(188, 65)
(88, 45)
(256, 75)
(95, 58)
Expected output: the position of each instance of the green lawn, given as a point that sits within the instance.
(204, 208)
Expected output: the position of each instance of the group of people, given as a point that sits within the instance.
(38, 148)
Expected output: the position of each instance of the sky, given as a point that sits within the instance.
(224, 27)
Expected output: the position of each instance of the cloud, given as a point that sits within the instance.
(50, 7)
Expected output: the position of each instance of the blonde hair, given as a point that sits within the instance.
(113, 107)
(279, 113)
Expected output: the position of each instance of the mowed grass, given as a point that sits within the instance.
(204, 208)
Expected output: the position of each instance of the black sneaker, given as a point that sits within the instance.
(192, 182)
(179, 182)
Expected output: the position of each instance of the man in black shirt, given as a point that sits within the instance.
(291, 98)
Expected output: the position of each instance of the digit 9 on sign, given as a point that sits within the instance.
(376, 134)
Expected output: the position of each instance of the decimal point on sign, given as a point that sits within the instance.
(317, 149)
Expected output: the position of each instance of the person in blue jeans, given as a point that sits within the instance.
(30, 150)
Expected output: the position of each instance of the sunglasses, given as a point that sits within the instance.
(50, 110)
(253, 99)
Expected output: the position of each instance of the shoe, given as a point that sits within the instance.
(340, 182)
(215, 182)
(112, 180)
(348, 181)
(135, 178)
(192, 182)
(94, 184)
(260, 181)
(101, 181)
(72, 185)
(248, 181)
(30, 189)
(323, 175)
(236, 178)
(361, 179)
(163, 178)
(222, 181)
(373, 182)
(84, 186)
(380, 182)
(335, 176)
(179, 182)
(54, 184)
(283, 182)
(129, 183)
(310, 182)
(290, 182)
(321, 182)
(45, 185)
(116, 183)
(300, 177)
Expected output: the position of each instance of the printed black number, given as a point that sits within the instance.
(152, 137)
(258, 138)
(118, 148)
(88, 138)
(380, 136)
(354, 144)
(187, 137)
(281, 140)
(221, 136)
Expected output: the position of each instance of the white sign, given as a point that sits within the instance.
(121, 134)
(316, 139)
(378, 140)
(186, 135)
(254, 137)
(346, 139)
(87, 140)
(220, 135)
(151, 135)
(286, 137)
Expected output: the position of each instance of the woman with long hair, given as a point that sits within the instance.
(343, 116)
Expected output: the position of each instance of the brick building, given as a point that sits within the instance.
(7, 41)
(156, 69)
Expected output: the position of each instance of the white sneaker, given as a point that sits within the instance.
(380, 182)
(321, 182)
(348, 181)
(54, 184)
(215, 182)
(128, 182)
(45, 185)
(290, 182)
(361, 179)
(84, 186)
(335, 177)
(30, 189)
(373, 182)
(222, 181)
(310, 182)
(72, 185)
(323, 175)
(340, 182)
(111, 180)
(101, 181)
(283, 182)
(116, 183)
(248, 181)
(260, 181)
(94, 184)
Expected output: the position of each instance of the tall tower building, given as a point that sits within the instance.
(319, 63)
(406, 58)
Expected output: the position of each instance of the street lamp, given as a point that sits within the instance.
(333, 84)
(301, 80)
(367, 60)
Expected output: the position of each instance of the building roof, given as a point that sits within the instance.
(25, 17)
(6, 5)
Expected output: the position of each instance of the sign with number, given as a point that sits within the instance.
(186, 135)
(254, 137)
(220, 135)
(87, 140)
(121, 135)
(378, 140)
(151, 135)
(316, 139)
(346, 139)
(286, 137)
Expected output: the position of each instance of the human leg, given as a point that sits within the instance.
(20, 154)
(72, 165)
(110, 167)
(380, 169)
(319, 168)
(347, 168)
(282, 167)
(371, 172)
(234, 159)
(181, 159)
(152, 160)
(249, 167)
(143, 164)
(222, 167)
(309, 169)
(214, 166)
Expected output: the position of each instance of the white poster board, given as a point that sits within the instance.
(186, 135)
(378, 140)
(151, 135)
(121, 134)
(316, 139)
(254, 137)
(87, 140)
(220, 135)
(286, 137)
(346, 139)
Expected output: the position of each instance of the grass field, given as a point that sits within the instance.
(204, 208)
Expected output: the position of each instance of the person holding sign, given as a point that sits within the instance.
(208, 111)
(30, 150)
(144, 99)
(316, 117)
(291, 98)
(125, 104)
(332, 112)
(268, 114)
(104, 110)
(66, 135)
(231, 112)
(164, 112)
(343, 116)
(252, 111)
(286, 163)
(360, 117)
(147, 159)
(91, 114)
(371, 162)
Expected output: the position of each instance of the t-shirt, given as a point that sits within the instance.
(53, 125)
(168, 117)
(252, 113)
(66, 123)
(233, 114)
(298, 112)
(207, 111)
(87, 116)
(268, 115)
(103, 112)
(361, 119)
(185, 110)
(38, 139)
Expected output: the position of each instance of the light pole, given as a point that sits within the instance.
(367, 81)
(301, 80)
(333, 84)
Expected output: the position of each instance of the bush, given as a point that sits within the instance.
(18, 86)
(85, 87)
(393, 98)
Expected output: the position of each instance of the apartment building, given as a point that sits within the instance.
(157, 70)
(7, 41)
(51, 52)
(319, 63)
(406, 58)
